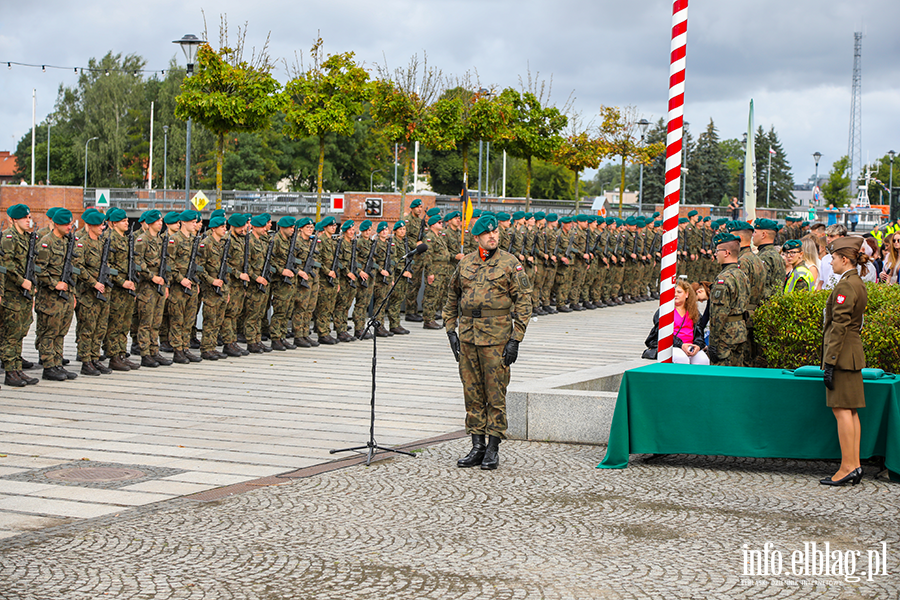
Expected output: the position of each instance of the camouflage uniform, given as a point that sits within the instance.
(237, 288)
(398, 249)
(121, 301)
(15, 315)
(56, 307)
(551, 266)
(180, 246)
(364, 289)
(328, 292)
(148, 250)
(775, 271)
(256, 299)
(305, 296)
(214, 304)
(579, 264)
(490, 303)
(348, 287)
(92, 313)
(564, 272)
(413, 226)
(282, 287)
(727, 328)
(437, 263)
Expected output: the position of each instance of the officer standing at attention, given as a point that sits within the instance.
(55, 299)
(728, 303)
(489, 302)
(755, 270)
(764, 239)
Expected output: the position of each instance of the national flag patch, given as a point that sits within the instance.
(43, 245)
(518, 267)
(721, 281)
(841, 299)
(171, 241)
(80, 245)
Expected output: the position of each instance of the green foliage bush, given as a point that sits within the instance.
(788, 328)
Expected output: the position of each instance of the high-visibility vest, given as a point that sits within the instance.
(800, 272)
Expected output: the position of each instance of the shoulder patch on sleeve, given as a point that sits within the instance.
(518, 267)
(841, 299)
(43, 245)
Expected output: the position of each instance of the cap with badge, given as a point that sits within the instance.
(261, 220)
(172, 217)
(93, 218)
(415, 203)
(190, 215)
(724, 238)
(381, 227)
(731, 226)
(792, 245)
(237, 220)
(321, 225)
(540, 215)
(485, 224)
(434, 219)
(399, 224)
(114, 215)
(502, 216)
(519, 214)
(552, 217)
(287, 222)
(18, 211)
(301, 223)
(62, 216)
(347, 225)
(851, 241)
(692, 213)
(152, 216)
(217, 221)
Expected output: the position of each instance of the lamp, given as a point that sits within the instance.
(189, 44)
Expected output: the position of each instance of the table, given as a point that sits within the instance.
(734, 411)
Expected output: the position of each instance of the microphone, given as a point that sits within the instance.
(420, 249)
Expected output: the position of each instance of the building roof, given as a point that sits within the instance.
(7, 164)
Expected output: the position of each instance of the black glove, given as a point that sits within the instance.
(454, 344)
(829, 377)
(510, 352)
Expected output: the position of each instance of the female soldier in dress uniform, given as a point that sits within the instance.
(843, 357)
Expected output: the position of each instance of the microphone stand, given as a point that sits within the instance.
(372, 446)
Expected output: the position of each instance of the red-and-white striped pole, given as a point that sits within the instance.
(674, 135)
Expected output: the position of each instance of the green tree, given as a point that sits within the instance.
(552, 181)
(580, 149)
(781, 191)
(618, 131)
(400, 105)
(654, 171)
(325, 98)
(708, 173)
(881, 171)
(836, 189)
(733, 158)
(535, 128)
(229, 95)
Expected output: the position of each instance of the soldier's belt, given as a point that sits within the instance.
(484, 312)
(734, 318)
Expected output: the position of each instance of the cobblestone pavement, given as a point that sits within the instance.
(547, 524)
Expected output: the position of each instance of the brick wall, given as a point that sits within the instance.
(39, 198)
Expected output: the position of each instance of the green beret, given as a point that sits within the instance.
(93, 218)
(219, 212)
(630, 221)
(792, 245)
(654, 215)
(540, 215)
(610, 220)
(738, 226)
(804, 224)
(365, 225)
(152, 216)
(721, 238)
(190, 215)
(582, 218)
(433, 211)
(529, 216)
(657, 223)
(434, 219)
(285, 221)
(476, 213)
(450, 216)
(89, 209)
(346, 225)
(767, 224)
(381, 227)
(172, 217)
(552, 217)
(216, 221)
(485, 224)
(519, 214)
(706, 219)
(52, 211)
(260, 220)
(62, 216)
(415, 203)
(502, 216)
(303, 222)
(692, 214)
(18, 211)
(321, 225)
(141, 218)
(237, 220)
(398, 225)
(114, 215)
(683, 220)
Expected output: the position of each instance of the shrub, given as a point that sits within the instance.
(788, 328)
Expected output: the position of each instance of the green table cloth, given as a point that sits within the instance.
(732, 411)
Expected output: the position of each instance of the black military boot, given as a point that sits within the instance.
(104, 370)
(13, 379)
(491, 454)
(475, 456)
(54, 374)
(87, 368)
(162, 360)
(28, 380)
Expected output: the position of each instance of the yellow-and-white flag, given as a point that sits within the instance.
(750, 172)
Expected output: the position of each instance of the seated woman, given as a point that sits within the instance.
(687, 341)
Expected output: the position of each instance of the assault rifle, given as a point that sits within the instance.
(388, 245)
(571, 245)
(103, 275)
(246, 264)
(163, 266)
(191, 274)
(29, 264)
(512, 239)
(620, 245)
(406, 253)
(290, 263)
(422, 226)
(353, 266)
(537, 234)
(132, 266)
(524, 235)
(336, 260)
(267, 263)
(223, 266)
(68, 270)
(310, 259)
(588, 247)
(556, 247)
(370, 261)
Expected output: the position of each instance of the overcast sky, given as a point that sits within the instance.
(793, 58)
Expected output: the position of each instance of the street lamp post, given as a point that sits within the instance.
(85, 162)
(892, 154)
(48, 151)
(165, 160)
(643, 124)
(817, 156)
(371, 175)
(189, 44)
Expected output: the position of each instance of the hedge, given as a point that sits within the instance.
(788, 328)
